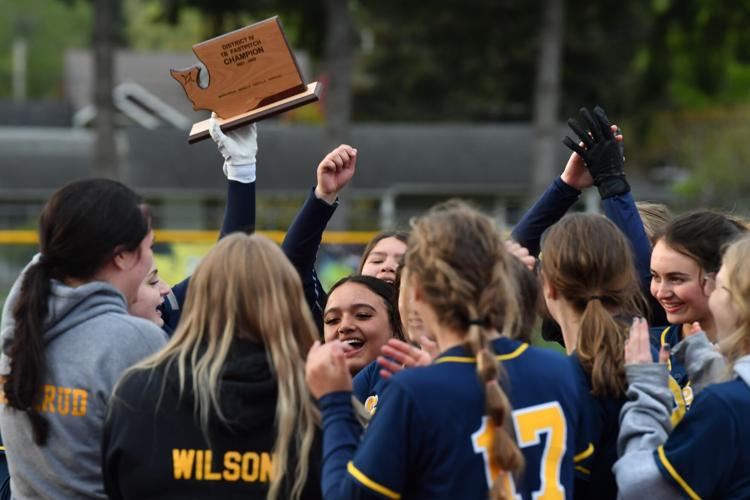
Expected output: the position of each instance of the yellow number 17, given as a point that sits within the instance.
(530, 424)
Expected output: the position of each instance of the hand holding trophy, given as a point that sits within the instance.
(252, 75)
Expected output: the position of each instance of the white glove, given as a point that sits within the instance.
(238, 147)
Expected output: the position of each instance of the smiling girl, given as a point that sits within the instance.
(361, 312)
(383, 255)
(684, 263)
(706, 456)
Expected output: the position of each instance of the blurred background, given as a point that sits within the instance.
(443, 99)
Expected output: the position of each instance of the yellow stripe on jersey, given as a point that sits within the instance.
(369, 483)
(469, 359)
(514, 354)
(675, 475)
(583, 469)
(674, 387)
(584, 454)
(663, 341)
(679, 410)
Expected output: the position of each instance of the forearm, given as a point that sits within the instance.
(638, 477)
(548, 209)
(304, 235)
(703, 363)
(621, 210)
(645, 420)
(644, 425)
(301, 246)
(239, 214)
(341, 436)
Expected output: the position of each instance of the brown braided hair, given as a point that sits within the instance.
(464, 273)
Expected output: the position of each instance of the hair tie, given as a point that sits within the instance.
(478, 321)
(46, 261)
(596, 297)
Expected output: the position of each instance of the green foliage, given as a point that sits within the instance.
(449, 61)
(304, 22)
(712, 143)
(147, 29)
(50, 28)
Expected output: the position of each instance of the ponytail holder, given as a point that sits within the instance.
(478, 321)
(596, 297)
(45, 260)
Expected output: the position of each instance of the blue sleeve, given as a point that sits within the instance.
(622, 211)
(708, 430)
(239, 215)
(548, 209)
(380, 466)
(301, 245)
(341, 435)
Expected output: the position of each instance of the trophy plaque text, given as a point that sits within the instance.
(252, 75)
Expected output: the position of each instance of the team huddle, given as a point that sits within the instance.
(413, 378)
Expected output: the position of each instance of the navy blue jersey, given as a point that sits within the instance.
(708, 454)
(4, 474)
(596, 445)
(368, 386)
(679, 383)
(431, 439)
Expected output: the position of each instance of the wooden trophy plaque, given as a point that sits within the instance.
(252, 75)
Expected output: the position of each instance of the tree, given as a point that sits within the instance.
(105, 149)
(547, 99)
(338, 63)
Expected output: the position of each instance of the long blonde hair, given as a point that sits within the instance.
(590, 263)
(245, 288)
(464, 273)
(736, 261)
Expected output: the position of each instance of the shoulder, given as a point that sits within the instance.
(444, 375)
(533, 361)
(127, 330)
(366, 374)
(365, 380)
(724, 399)
(136, 388)
(578, 372)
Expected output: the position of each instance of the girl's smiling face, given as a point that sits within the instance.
(150, 296)
(382, 261)
(678, 283)
(359, 318)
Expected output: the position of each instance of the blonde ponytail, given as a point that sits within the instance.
(505, 451)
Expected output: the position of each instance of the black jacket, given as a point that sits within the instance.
(151, 452)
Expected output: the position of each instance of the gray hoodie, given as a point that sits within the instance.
(703, 362)
(644, 425)
(90, 339)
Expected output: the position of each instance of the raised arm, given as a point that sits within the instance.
(304, 235)
(239, 149)
(552, 205)
(602, 151)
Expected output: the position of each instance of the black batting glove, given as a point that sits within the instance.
(601, 153)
